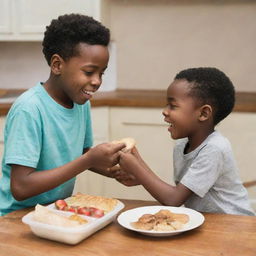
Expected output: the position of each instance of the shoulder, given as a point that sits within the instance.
(27, 102)
(216, 146)
(27, 99)
(218, 142)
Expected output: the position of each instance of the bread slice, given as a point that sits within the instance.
(44, 215)
(99, 202)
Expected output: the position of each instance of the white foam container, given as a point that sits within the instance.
(70, 235)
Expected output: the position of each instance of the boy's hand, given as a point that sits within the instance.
(104, 155)
(132, 162)
(123, 177)
(126, 179)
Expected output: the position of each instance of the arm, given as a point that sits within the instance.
(160, 190)
(27, 182)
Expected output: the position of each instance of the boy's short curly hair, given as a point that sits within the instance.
(211, 86)
(67, 31)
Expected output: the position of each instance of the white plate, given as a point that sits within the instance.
(195, 219)
(70, 235)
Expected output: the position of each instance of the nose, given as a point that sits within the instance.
(165, 112)
(96, 80)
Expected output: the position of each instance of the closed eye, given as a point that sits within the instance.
(172, 106)
(88, 73)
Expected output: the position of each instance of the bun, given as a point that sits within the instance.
(44, 215)
(83, 200)
(129, 143)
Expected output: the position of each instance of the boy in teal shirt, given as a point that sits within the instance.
(48, 134)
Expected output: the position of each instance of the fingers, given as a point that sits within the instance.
(127, 179)
(117, 147)
(126, 156)
(134, 151)
(115, 168)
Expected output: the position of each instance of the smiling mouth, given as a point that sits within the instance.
(169, 123)
(90, 93)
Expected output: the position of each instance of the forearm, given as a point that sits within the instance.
(32, 182)
(163, 192)
(106, 172)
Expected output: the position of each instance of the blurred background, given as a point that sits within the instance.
(151, 40)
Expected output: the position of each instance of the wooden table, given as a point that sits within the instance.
(220, 235)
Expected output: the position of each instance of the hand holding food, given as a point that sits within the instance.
(104, 155)
(129, 143)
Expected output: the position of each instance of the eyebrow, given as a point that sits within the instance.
(90, 65)
(171, 99)
(93, 66)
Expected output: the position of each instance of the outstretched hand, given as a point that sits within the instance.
(132, 162)
(123, 177)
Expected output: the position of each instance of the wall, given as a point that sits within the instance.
(157, 38)
(22, 65)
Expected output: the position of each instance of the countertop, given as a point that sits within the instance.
(220, 234)
(245, 101)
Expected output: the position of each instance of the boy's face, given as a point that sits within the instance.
(81, 76)
(181, 111)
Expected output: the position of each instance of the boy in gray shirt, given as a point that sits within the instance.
(205, 172)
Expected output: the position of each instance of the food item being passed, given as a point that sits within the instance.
(94, 206)
(164, 220)
(129, 143)
(44, 215)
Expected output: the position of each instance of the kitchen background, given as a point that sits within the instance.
(151, 41)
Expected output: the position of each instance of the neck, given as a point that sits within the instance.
(54, 90)
(196, 139)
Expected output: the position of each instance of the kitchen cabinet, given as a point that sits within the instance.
(25, 20)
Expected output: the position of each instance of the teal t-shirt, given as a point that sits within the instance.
(42, 134)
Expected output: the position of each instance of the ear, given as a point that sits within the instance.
(205, 113)
(56, 64)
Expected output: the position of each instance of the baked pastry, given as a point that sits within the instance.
(44, 215)
(145, 222)
(129, 143)
(164, 220)
(83, 200)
